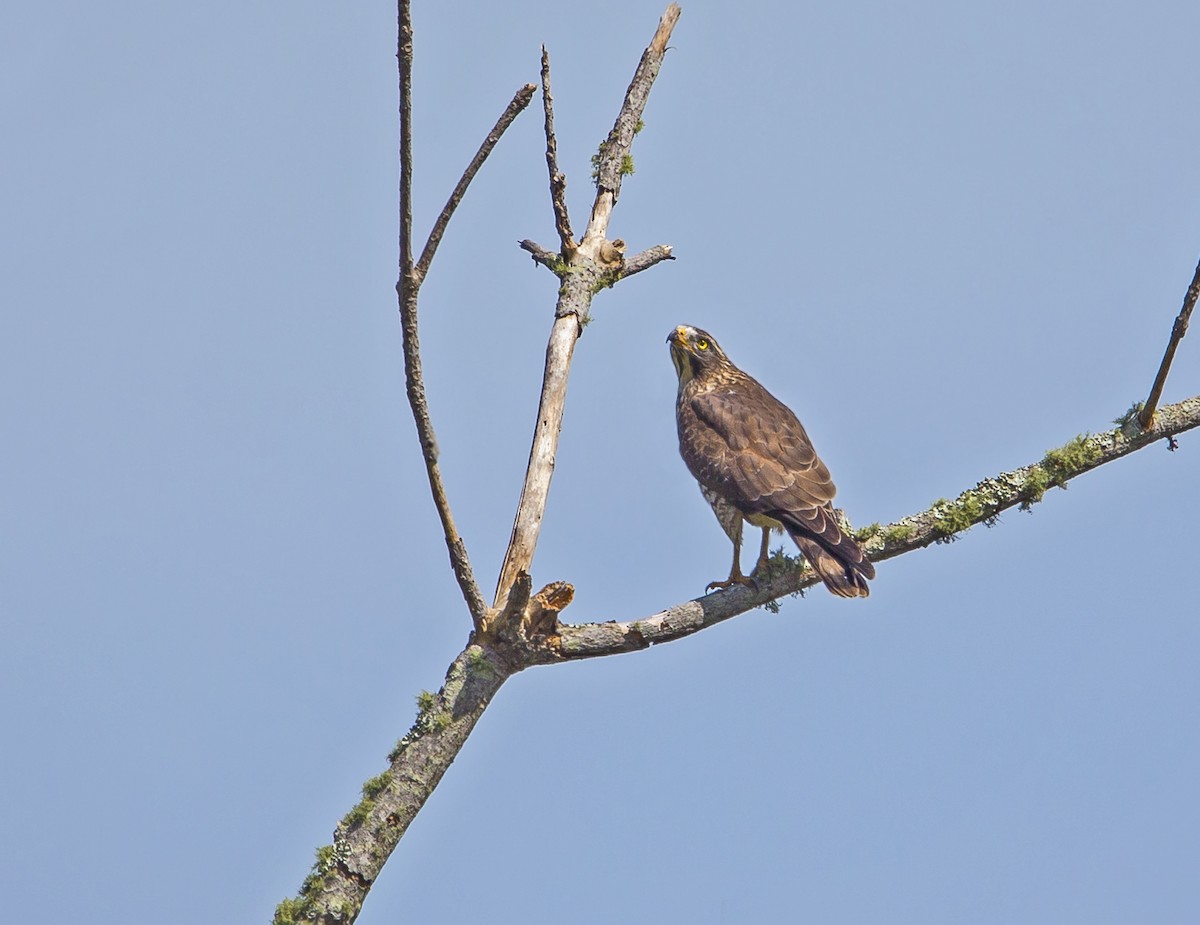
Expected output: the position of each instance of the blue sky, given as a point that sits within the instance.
(950, 236)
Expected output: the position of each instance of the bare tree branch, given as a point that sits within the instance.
(648, 258)
(414, 382)
(587, 272)
(366, 837)
(558, 182)
(1146, 415)
(532, 505)
(404, 53)
(612, 165)
(408, 288)
(541, 255)
(942, 522)
(645, 260)
(519, 101)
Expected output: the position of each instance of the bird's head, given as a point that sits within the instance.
(694, 352)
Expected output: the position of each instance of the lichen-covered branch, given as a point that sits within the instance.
(942, 522)
(345, 871)
(612, 163)
(1146, 414)
(594, 265)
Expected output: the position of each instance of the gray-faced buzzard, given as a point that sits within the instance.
(754, 462)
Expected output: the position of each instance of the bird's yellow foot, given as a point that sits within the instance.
(735, 579)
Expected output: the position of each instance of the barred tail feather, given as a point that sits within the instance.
(842, 576)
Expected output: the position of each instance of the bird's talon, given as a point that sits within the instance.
(731, 582)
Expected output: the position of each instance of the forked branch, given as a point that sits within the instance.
(595, 264)
(408, 288)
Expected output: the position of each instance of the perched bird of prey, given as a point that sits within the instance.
(754, 462)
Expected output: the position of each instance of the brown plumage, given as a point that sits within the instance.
(755, 463)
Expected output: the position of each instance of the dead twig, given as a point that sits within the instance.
(520, 100)
(541, 255)
(1146, 415)
(558, 182)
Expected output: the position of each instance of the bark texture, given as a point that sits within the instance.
(365, 838)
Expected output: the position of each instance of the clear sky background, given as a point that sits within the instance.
(950, 236)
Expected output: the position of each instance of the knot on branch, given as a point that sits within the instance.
(611, 254)
(526, 616)
(541, 615)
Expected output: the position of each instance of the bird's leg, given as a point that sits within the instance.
(763, 556)
(735, 573)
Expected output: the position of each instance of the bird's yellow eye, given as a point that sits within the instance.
(702, 344)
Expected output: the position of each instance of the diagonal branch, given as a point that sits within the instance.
(519, 101)
(586, 274)
(611, 164)
(367, 835)
(1146, 415)
(645, 260)
(558, 182)
(943, 522)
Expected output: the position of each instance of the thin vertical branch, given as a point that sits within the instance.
(408, 288)
(404, 52)
(558, 182)
(1146, 415)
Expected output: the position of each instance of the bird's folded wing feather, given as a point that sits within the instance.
(766, 460)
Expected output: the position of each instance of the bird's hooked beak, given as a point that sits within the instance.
(680, 356)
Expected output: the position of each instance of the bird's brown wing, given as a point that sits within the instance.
(758, 455)
(765, 460)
